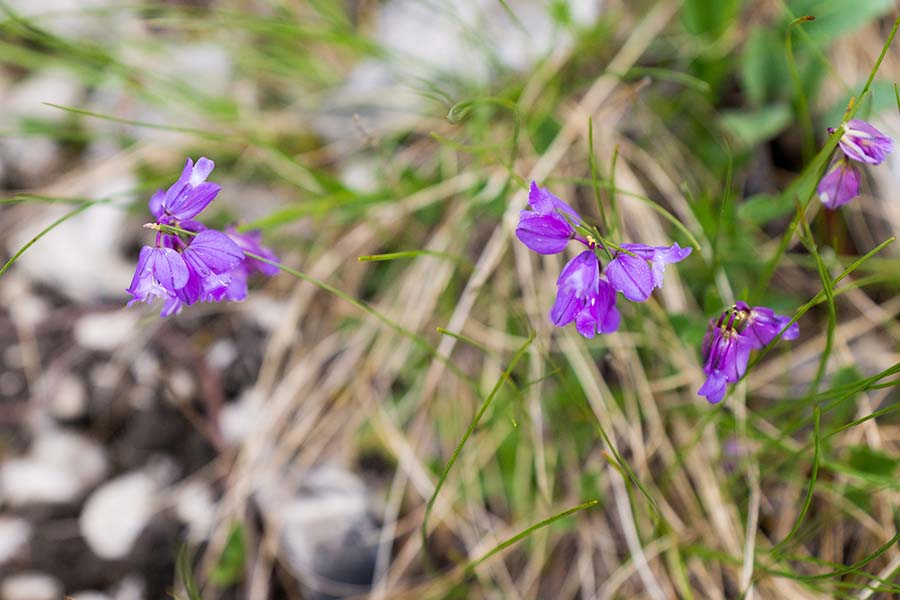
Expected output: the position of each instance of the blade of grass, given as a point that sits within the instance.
(46, 230)
(471, 428)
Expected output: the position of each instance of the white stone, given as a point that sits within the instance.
(68, 398)
(236, 419)
(90, 595)
(116, 513)
(221, 354)
(314, 516)
(182, 383)
(106, 331)
(14, 536)
(195, 505)
(130, 588)
(31, 585)
(60, 467)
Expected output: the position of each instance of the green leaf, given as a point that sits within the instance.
(764, 73)
(752, 127)
(835, 18)
(873, 462)
(762, 208)
(230, 567)
(709, 17)
(880, 99)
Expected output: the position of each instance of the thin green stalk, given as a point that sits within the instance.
(47, 230)
(807, 502)
(470, 567)
(471, 428)
(809, 139)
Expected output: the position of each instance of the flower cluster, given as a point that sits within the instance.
(860, 143)
(729, 340)
(585, 294)
(207, 265)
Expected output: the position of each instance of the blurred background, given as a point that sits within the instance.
(286, 446)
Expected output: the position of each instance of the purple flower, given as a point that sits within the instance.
(731, 338)
(188, 196)
(726, 354)
(761, 325)
(864, 143)
(840, 184)
(582, 296)
(160, 273)
(210, 257)
(251, 242)
(636, 276)
(547, 227)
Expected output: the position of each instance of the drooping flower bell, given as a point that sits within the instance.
(862, 143)
(840, 184)
(584, 297)
(730, 339)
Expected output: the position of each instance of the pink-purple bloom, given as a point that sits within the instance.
(638, 271)
(864, 143)
(201, 265)
(840, 184)
(547, 227)
(585, 294)
(585, 297)
(860, 143)
(250, 241)
(731, 338)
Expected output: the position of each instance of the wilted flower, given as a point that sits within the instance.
(638, 273)
(726, 353)
(840, 184)
(864, 143)
(731, 338)
(547, 227)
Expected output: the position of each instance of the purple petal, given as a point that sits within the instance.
(201, 171)
(156, 203)
(659, 257)
(544, 233)
(251, 241)
(216, 250)
(177, 188)
(565, 308)
(237, 289)
(713, 388)
(192, 201)
(599, 314)
(577, 283)
(864, 143)
(192, 290)
(543, 202)
(169, 268)
(141, 282)
(840, 184)
(630, 275)
(172, 306)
